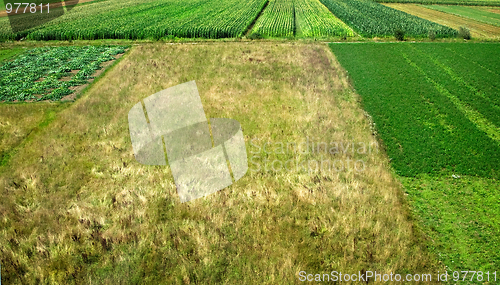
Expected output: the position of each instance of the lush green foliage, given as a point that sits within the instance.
(150, 19)
(372, 19)
(474, 13)
(36, 73)
(301, 18)
(460, 217)
(435, 106)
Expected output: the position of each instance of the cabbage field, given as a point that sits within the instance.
(301, 18)
(36, 74)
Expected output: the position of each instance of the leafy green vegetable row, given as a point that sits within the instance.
(36, 73)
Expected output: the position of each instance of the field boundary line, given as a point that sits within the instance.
(252, 24)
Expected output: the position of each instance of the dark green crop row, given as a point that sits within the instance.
(35, 74)
(434, 106)
(371, 19)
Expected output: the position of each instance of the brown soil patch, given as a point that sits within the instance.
(477, 29)
(68, 78)
(3, 13)
(495, 11)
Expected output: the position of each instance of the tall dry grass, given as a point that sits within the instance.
(77, 208)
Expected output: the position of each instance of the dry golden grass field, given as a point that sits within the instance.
(78, 209)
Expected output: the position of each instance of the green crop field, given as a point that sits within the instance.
(447, 2)
(372, 19)
(36, 74)
(372, 135)
(149, 19)
(277, 20)
(436, 105)
(301, 18)
(473, 13)
(437, 110)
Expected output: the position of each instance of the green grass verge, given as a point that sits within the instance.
(435, 107)
(473, 13)
(460, 216)
(9, 53)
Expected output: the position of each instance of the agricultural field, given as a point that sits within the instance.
(478, 29)
(300, 18)
(371, 19)
(480, 15)
(51, 73)
(437, 110)
(277, 19)
(446, 2)
(78, 208)
(146, 19)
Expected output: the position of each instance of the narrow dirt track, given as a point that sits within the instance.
(477, 29)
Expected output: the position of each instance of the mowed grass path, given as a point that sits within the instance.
(477, 29)
(77, 208)
(436, 107)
